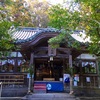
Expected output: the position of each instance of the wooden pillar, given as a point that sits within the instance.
(31, 79)
(98, 71)
(81, 72)
(32, 59)
(71, 76)
(64, 66)
(70, 60)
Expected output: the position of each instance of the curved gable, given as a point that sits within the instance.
(31, 36)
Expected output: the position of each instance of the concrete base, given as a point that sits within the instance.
(14, 91)
(87, 92)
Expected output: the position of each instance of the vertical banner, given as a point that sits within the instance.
(66, 78)
(87, 79)
(76, 79)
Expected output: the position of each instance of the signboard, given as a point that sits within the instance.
(75, 83)
(87, 79)
(28, 75)
(66, 78)
(76, 79)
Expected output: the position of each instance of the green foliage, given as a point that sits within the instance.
(86, 18)
(17, 14)
(6, 2)
(5, 38)
(63, 19)
(34, 14)
(70, 70)
(5, 24)
(5, 6)
(90, 15)
(64, 38)
(31, 70)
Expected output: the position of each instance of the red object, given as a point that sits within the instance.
(40, 86)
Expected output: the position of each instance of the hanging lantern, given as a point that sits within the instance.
(51, 58)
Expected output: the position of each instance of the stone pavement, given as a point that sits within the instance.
(50, 96)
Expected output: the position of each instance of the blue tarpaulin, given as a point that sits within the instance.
(55, 86)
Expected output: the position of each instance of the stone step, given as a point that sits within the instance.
(39, 88)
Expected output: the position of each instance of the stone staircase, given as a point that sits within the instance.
(40, 88)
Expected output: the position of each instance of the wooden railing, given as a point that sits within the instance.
(90, 81)
(9, 79)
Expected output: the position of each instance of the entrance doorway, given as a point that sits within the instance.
(48, 70)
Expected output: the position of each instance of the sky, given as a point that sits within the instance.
(55, 1)
(58, 1)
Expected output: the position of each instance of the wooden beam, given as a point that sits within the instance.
(46, 56)
(40, 49)
(65, 50)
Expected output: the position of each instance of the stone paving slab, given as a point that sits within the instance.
(89, 98)
(10, 98)
(50, 96)
(51, 99)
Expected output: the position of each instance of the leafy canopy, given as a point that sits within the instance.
(5, 24)
(86, 18)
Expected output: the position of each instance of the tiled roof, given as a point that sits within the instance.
(22, 35)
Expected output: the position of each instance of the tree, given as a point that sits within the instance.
(31, 13)
(86, 18)
(5, 38)
(20, 13)
(39, 13)
(66, 21)
(90, 22)
(5, 24)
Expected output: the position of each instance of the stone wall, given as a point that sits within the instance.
(14, 91)
(89, 92)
